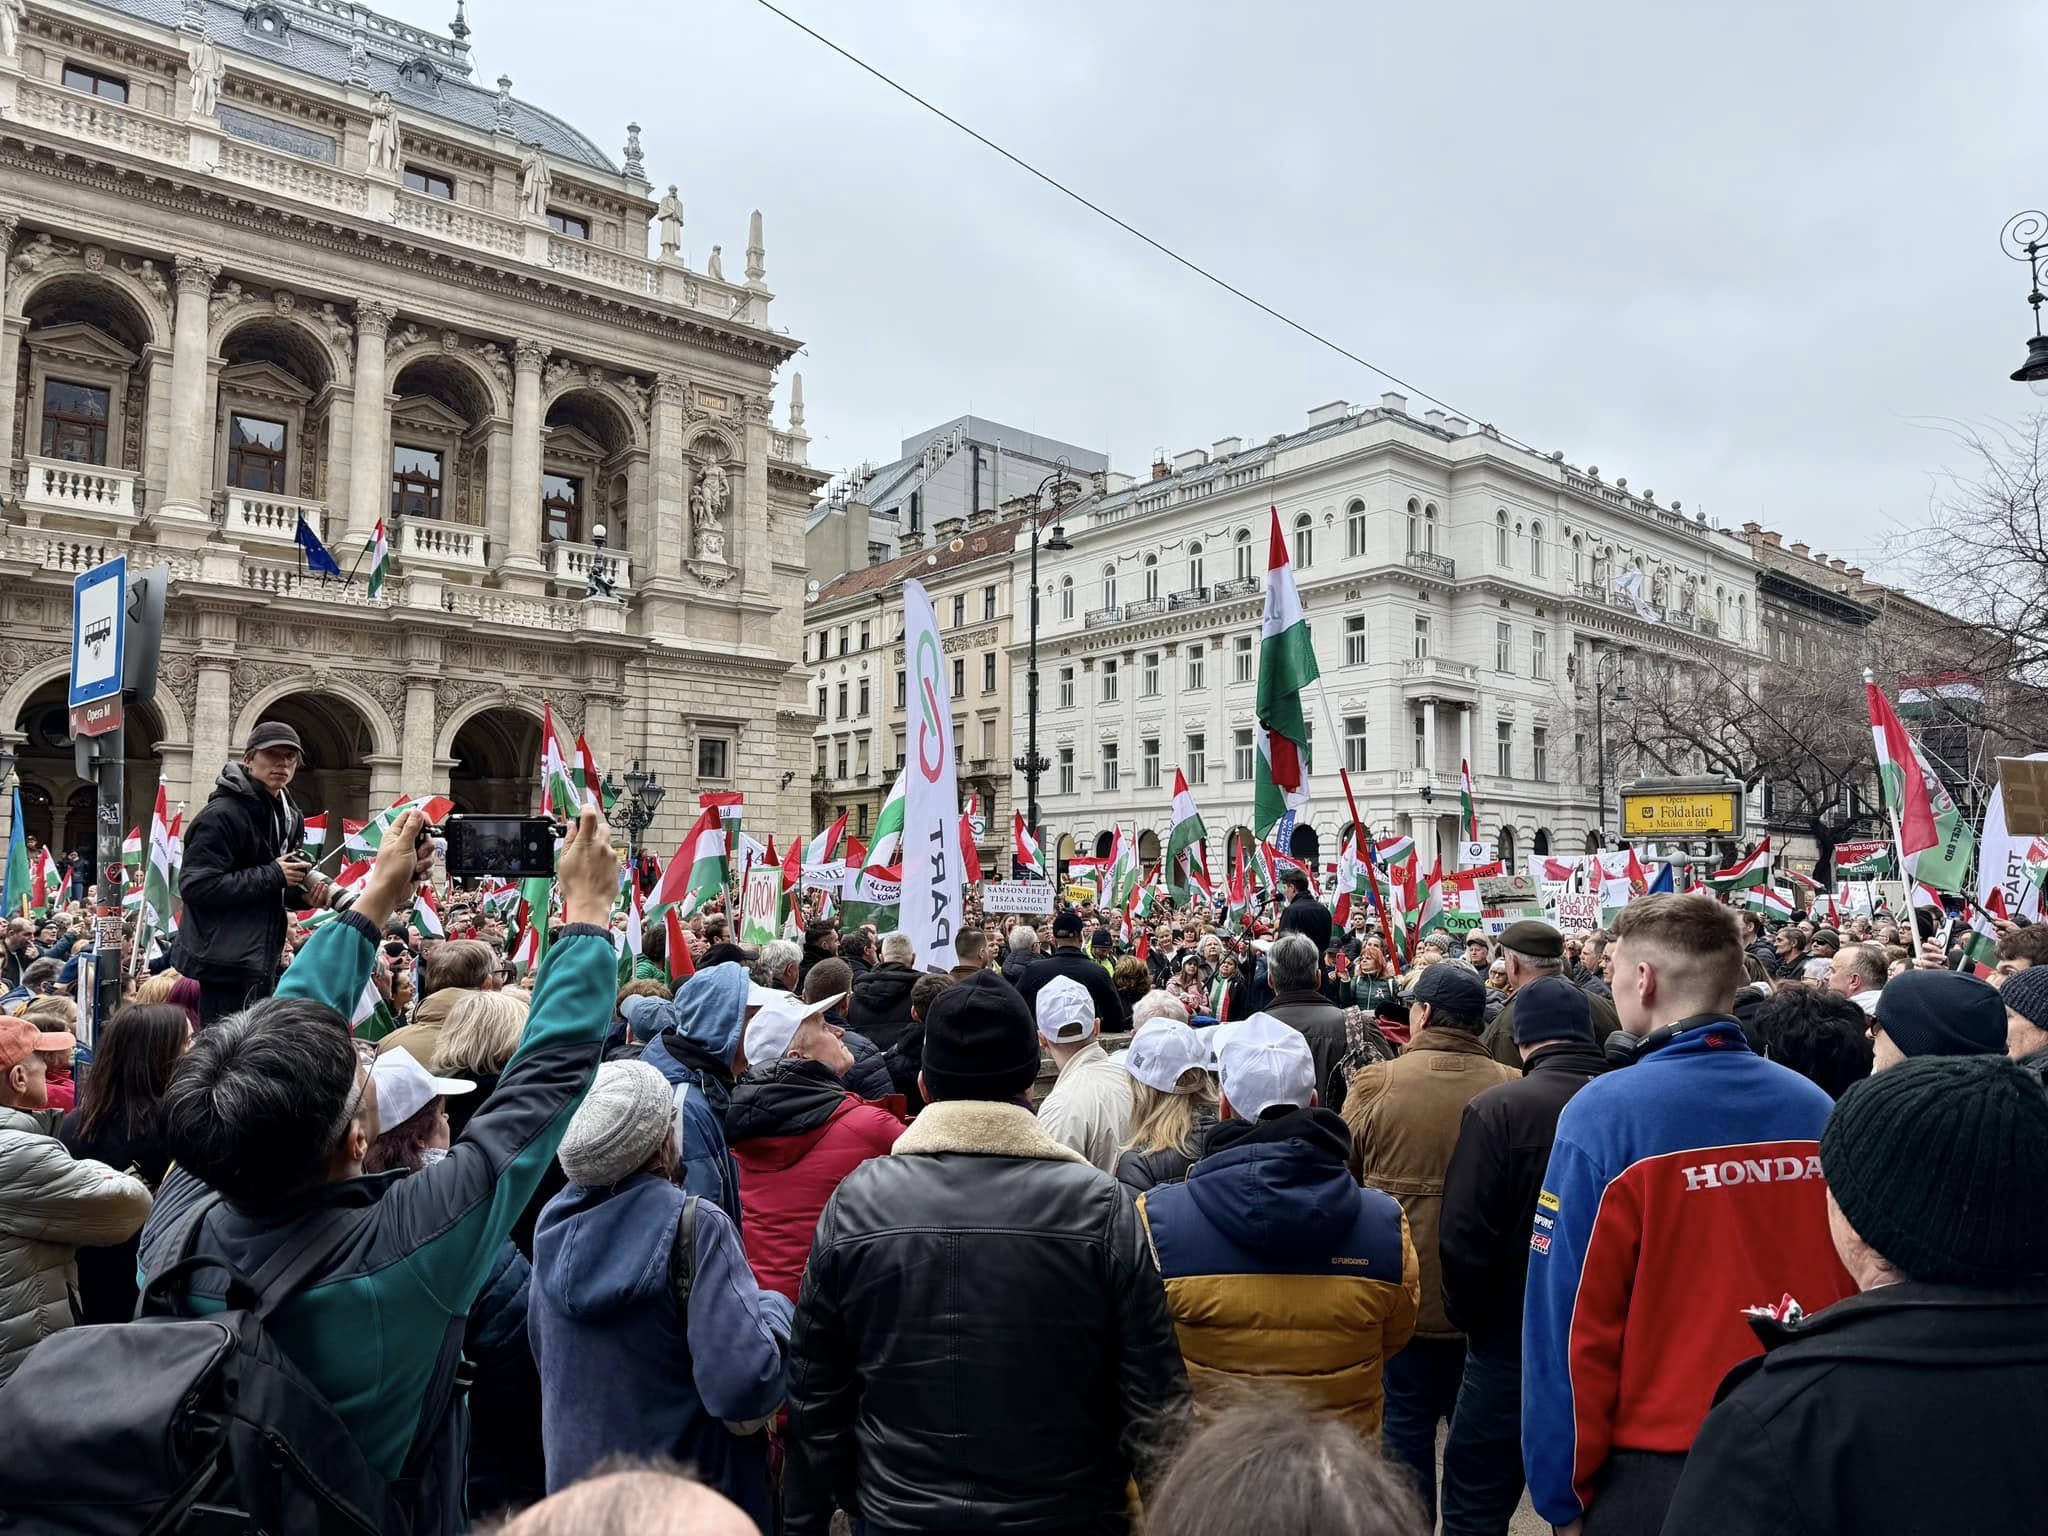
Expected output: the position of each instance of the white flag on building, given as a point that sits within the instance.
(932, 872)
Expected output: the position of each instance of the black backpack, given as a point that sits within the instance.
(194, 1425)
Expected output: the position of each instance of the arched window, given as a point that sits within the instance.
(1578, 561)
(1109, 586)
(1429, 529)
(1304, 542)
(1414, 526)
(1742, 617)
(1720, 605)
(1241, 556)
(1354, 529)
(1151, 578)
(1500, 538)
(1506, 849)
(1195, 567)
(1535, 549)
(1067, 597)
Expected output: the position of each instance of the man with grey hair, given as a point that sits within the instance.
(1857, 972)
(1157, 1004)
(778, 963)
(897, 949)
(1294, 970)
(879, 1005)
(1532, 951)
(1022, 950)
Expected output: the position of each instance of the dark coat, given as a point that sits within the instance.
(1321, 1023)
(1110, 1006)
(1912, 1410)
(1305, 915)
(1499, 1036)
(506, 1465)
(912, 1395)
(1490, 1192)
(1139, 1171)
(1017, 962)
(233, 892)
(879, 1005)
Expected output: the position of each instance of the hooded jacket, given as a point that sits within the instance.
(1912, 1408)
(624, 1368)
(50, 1205)
(699, 1036)
(879, 1006)
(1281, 1271)
(795, 1132)
(233, 892)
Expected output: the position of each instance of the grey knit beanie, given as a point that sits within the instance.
(618, 1126)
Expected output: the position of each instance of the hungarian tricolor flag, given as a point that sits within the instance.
(1745, 873)
(1431, 918)
(380, 560)
(1183, 838)
(1237, 895)
(696, 875)
(559, 793)
(1024, 848)
(1771, 901)
(365, 838)
(1396, 850)
(316, 834)
(1934, 835)
(1354, 879)
(793, 867)
(1980, 940)
(824, 848)
(1468, 815)
(131, 848)
(1287, 665)
(970, 856)
(426, 916)
(1124, 869)
(159, 879)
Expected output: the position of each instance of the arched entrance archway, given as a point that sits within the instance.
(1062, 852)
(1103, 842)
(1306, 844)
(1148, 848)
(1505, 849)
(496, 753)
(334, 776)
(1540, 844)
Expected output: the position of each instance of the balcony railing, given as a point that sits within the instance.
(1096, 616)
(1435, 565)
(571, 564)
(1194, 597)
(281, 579)
(1145, 608)
(252, 515)
(89, 490)
(457, 224)
(67, 554)
(493, 607)
(88, 117)
(600, 265)
(444, 546)
(1438, 669)
(1237, 586)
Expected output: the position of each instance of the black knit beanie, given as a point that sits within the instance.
(1942, 1013)
(1939, 1164)
(979, 1041)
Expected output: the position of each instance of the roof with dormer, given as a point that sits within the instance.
(424, 71)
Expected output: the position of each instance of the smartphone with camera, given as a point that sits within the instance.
(503, 847)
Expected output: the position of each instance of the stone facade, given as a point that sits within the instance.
(244, 286)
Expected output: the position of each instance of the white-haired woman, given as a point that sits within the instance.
(1173, 1104)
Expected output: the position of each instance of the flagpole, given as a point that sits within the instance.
(1359, 829)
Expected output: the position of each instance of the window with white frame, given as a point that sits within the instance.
(1151, 569)
(1241, 658)
(1535, 549)
(1304, 542)
(1109, 679)
(897, 745)
(1241, 555)
(1504, 748)
(1414, 526)
(1109, 766)
(1195, 664)
(1196, 764)
(841, 762)
(1354, 529)
(1194, 567)
(867, 630)
(1148, 676)
(1500, 539)
(1066, 770)
(1422, 742)
(714, 757)
(1429, 529)
(1422, 637)
(1066, 597)
(1503, 646)
(821, 760)
(1354, 743)
(959, 610)
(842, 700)
(1539, 752)
(988, 671)
(1354, 639)
(1241, 751)
(1148, 763)
(959, 676)
(902, 684)
(1539, 653)
(862, 712)
(988, 602)
(1066, 694)
(1109, 586)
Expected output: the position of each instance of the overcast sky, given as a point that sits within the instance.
(1745, 255)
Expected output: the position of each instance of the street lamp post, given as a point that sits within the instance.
(1031, 764)
(635, 807)
(2025, 238)
(1600, 681)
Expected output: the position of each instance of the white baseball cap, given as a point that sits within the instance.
(404, 1087)
(759, 996)
(1162, 1051)
(1066, 1013)
(770, 1031)
(1266, 1064)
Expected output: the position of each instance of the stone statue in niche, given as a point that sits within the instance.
(535, 182)
(209, 68)
(384, 137)
(12, 14)
(707, 510)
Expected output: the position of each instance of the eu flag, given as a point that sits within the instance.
(317, 557)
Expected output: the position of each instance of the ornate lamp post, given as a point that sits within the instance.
(636, 805)
(2023, 240)
(1032, 764)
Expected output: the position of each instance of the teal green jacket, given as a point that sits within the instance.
(370, 1330)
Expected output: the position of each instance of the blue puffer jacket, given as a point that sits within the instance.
(699, 1035)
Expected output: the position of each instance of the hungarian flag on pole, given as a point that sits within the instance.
(1431, 918)
(1934, 836)
(682, 965)
(380, 560)
(631, 935)
(559, 793)
(1024, 848)
(366, 838)
(426, 917)
(15, 893)
(316, 834)
(131, 846)
(696, 875)
(1124, 868)
(1287, 665)
(1980, 940)
(824, 848)
(970, 857)
(792, 866)
(1770, 901)
(1183, 838)
(1745, 873)
(1353, 880)
(1468, 815)
(158, 880)
(526, 953)
(1237, 895)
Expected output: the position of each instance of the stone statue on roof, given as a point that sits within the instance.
(384, 136)
(209, 68)
(12, 14)
(670, 213)
(714, 268)
(534, 181)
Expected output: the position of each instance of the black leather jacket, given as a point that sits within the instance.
(982, 1341)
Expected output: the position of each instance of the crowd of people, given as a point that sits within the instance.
(1690, 1225)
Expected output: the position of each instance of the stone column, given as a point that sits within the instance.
(212, 723)
(10, 353)
(664, 510)
(338, 487)
(416, 745)
(369, 438)
(755, 555)
(521, 569)
(497, 486)
(189, 472)
(1465, 732)
(1429, 762)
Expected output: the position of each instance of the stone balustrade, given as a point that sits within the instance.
(57, 488)
(457, 547)
(570, 565)
(254, 515)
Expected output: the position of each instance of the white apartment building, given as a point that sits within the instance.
(1462, 595)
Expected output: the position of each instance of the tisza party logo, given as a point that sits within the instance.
(931, 733)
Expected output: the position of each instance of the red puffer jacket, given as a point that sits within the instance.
(795, 1132)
